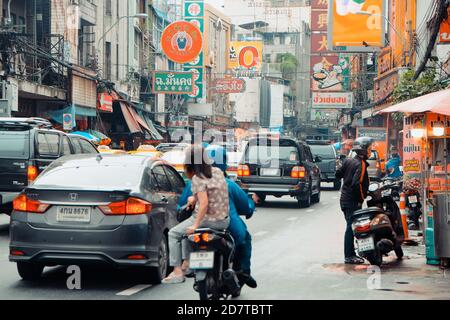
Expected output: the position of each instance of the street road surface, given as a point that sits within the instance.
(298, 254)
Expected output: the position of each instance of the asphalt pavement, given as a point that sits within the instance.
(298, 254)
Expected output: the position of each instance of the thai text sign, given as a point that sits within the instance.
(229, 85)
(332, 100)
(167, 82)
(412, 148)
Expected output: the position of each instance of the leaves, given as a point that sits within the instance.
(289, 64)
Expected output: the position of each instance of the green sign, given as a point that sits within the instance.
(194, 9)
(167, 82)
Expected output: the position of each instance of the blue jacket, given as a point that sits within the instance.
(394, 163)
(240, 204)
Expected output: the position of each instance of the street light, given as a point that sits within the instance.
(138, 16)
(402, 38)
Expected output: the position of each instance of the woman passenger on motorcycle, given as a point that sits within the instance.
(210, 196)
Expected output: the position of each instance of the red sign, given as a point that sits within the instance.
(319, 20)
(229, 85)
(319, 43)
(105, 102)
(182, 42)
(319, 4)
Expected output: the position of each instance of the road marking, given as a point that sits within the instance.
(134, 290)
(293, 219)
(260, 234)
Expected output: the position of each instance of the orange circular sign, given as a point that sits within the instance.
(181, 42)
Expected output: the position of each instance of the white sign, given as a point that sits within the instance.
(67, 122)
(200, 109)
(332, 100)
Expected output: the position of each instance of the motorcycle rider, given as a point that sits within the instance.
(393, 165)
(354, 191)
(240, 204)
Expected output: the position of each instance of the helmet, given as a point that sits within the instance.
(218, 157)
(362, 146)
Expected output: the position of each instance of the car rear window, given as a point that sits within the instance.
(14, 144)
(325, 152)
(96, 177)
(263, 153)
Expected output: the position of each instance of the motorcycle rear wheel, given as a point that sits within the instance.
(375, 259)
(208, 289)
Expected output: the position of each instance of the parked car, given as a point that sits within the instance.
(96, 209)
(330, 163)
(27, 147)
(279, 167)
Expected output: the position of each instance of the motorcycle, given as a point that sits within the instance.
(414, 209)
(378, 229)
(211, 260)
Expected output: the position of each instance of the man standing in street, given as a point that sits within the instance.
(354, 191)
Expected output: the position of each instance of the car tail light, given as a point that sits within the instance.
(32, 173)
(298, 173)
(136, 257)
(131, 206)
(23, 204)
(243, 171)
(17, 253)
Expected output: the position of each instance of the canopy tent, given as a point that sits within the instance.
(436, 102)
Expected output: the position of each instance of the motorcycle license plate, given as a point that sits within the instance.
(365, 245)
(201, 261)
(413, 199)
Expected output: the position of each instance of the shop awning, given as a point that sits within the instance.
(154, 132)
(74, 110)
(132, 123)
(437, 102)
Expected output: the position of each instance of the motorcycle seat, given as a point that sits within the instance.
(371, 212)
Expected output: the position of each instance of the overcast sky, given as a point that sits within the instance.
(217, 3)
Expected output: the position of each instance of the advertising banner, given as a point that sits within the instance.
(412, 149)
(444, 33)
(229, 85)
(319, 4)
(245, 55)
(330, 73)
(332, 100)
(356, 25)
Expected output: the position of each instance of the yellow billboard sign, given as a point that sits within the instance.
(356, 25)
(245, 55)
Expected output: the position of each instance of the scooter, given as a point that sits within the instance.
(378, 229)
(414, 209)
(212, 263)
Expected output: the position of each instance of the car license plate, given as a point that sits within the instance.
(74, 214)
(201, 260)
(270, 172)
(413, 199)
(367, 244)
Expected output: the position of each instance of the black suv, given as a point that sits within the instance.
(330, 161)
(280, 166)
(27, 147)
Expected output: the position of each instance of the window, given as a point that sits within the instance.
(108, 64)
(175, 180)
(76, 145)
(161, 179)
(108, 8)
(308, 154)
(87, 147)
(48, 144)
(14, 145)
(261, 154)
(66, 147)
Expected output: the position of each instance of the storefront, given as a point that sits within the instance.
(426, 160)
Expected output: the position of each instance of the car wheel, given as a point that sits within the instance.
(316, 197)
(30, 271)
(305, 203)
(160, 272)
(337, 185)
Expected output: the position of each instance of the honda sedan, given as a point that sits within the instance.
(96, 209)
